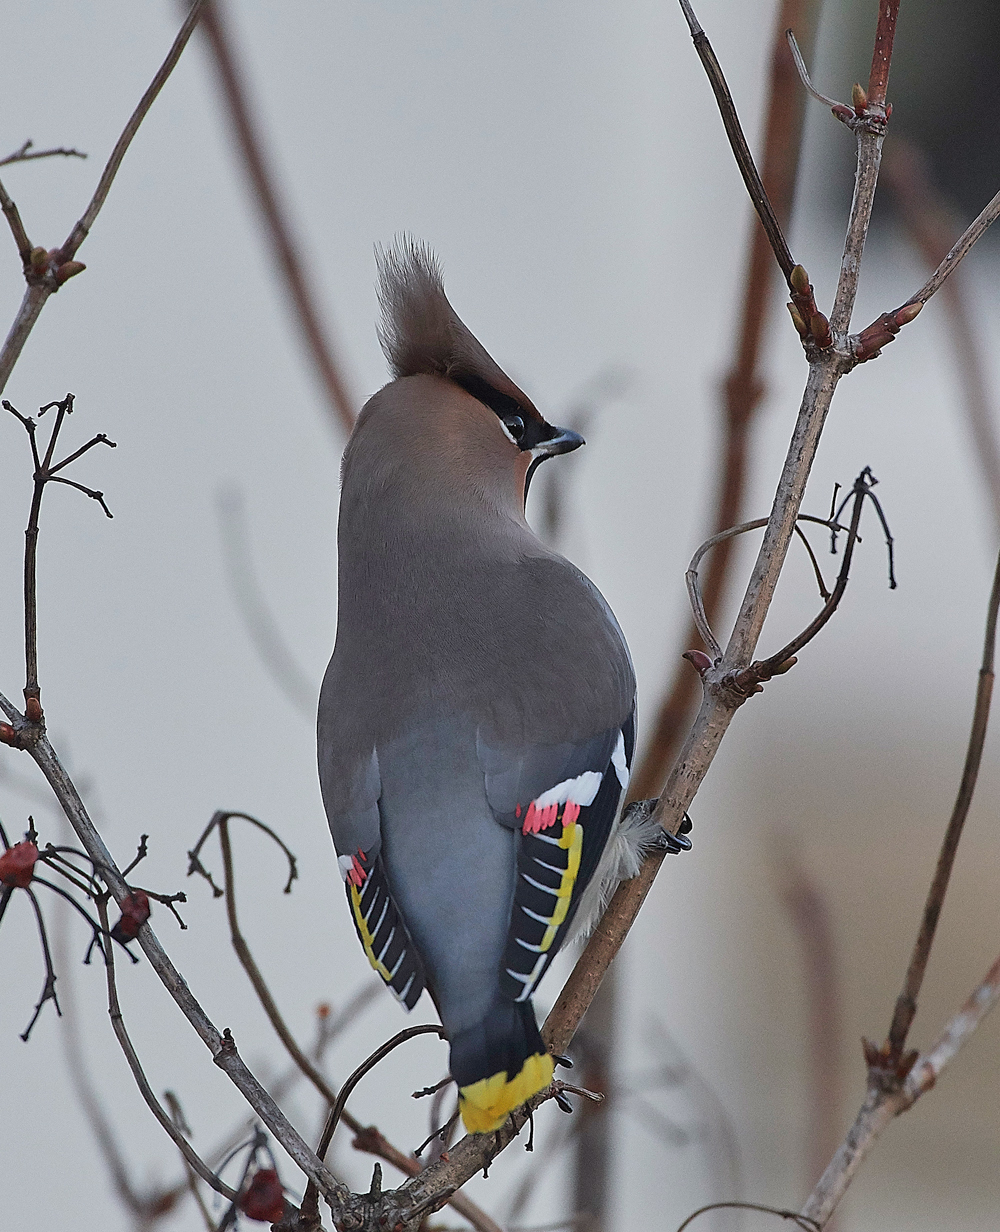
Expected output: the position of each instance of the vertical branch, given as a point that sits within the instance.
(885, 33)
(232, 80)
(873, 114)
(743, 387)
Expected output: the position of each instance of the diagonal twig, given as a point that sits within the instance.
(191, 1156)
(738, 142)
(316, 337)
(742, 391)
(906, 1003)
(55, 267)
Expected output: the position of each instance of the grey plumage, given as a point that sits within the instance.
(474, 671)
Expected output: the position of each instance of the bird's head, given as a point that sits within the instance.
(422, 335)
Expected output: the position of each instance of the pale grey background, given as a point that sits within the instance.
(567, 163)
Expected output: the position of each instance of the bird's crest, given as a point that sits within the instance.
(419, 330)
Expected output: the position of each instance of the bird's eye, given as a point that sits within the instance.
(514, 425)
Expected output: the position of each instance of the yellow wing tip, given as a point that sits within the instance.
(486, 1104)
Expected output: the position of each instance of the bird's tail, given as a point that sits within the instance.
(498, 1064)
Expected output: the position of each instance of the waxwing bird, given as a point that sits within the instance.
(477, 719)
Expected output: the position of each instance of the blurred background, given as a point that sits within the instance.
(567, 164)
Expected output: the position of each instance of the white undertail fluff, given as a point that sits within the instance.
(635, 835)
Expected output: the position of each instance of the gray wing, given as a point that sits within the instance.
(350, 794)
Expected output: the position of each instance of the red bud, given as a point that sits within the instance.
(33, 709)
(69, 269)
(264, 1199)
(17, 865)
(8, 735)
(135, 913)
(698, 660)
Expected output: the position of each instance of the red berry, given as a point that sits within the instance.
(17, 865)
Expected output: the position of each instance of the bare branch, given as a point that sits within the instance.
(13, 217)
(87, 219)
(22, 155)
(54, 268)
(286, 253)
(906, 1004)
(743, 389)
(191, 1156)
(881, 1107)
(962, 246)
(885, 33)
(221, 1045)
(803, 72)
(738, 142)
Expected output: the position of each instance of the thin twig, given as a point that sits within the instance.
(191, 1156)
(221, 1045)
(365, 1067)
(86, 220)
(800, 66)
(738, 142)
(59, 264)
(145, 1205)
(692, 579)
(26, 154)
(881, 1107)
(906, 1003)
(885, 33)
(960, 249)
(743, 389)
(232, 79)
(374, 1142)
(13, 217)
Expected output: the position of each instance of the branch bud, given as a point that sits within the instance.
(859, 98)
(69, 269)
(797, 320)
(819, 327)
(39, 257)
(33, 710)
(698, 660)
(908, 313)
(8, 735)
(798, 279)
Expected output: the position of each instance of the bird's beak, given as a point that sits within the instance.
(562, 440)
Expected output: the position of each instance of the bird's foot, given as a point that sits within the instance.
(640, 811)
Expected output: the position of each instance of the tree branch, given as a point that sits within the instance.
(284, 248)
(906, 1004)
(743, 389)
(55, 267)
(191, 1156)
(32, 737)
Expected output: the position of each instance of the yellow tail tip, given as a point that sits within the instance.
(486, 1104)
